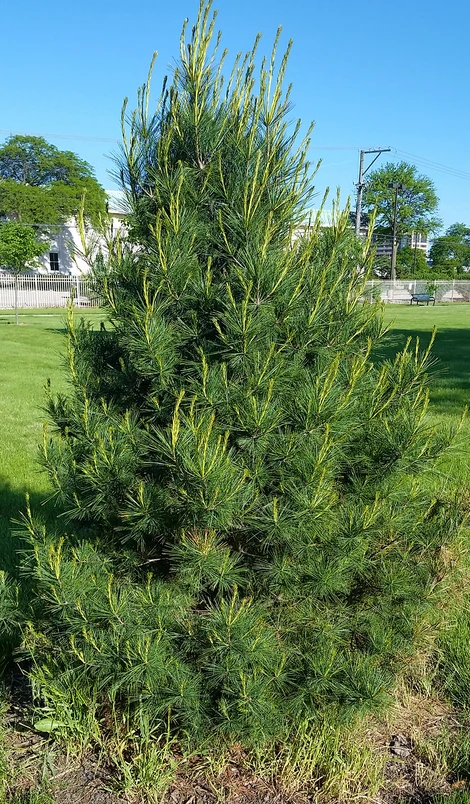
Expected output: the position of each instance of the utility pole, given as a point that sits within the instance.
(360, 183)
(415, 255)
(398, 188)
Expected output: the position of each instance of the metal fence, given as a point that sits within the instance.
(35, 291)
(401, 290)
(38, 290)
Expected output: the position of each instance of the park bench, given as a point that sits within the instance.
(425, 298)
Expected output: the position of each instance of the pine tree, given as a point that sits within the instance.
(256, 537)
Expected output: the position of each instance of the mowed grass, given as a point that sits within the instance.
(450, 382)
(33, 352)
(450, 372)
(30, 354)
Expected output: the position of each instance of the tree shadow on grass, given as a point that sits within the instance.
(449, 378)
(13, 549)
(12, 559)
(12, 506)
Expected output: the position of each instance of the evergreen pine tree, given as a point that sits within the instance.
(256, 537)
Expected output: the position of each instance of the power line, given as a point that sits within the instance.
(59, 136)
(429, 163)
(436, 165)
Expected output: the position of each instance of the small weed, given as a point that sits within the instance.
(146, 767)
(321, 761)
(455, 797)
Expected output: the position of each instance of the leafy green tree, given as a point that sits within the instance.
(417, 202)
(19, 250)
(381, 266)
(255, 539)
(39, 184)
(450, 254)
(412, 264)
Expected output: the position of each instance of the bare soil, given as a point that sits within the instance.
(408, 741)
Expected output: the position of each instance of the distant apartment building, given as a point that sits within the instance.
(383, 245)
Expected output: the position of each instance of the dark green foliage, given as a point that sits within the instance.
(8, 604)
(416, 201)
(255, 538)
(450, 253)
(10, 618)
(412, 264)
(39, 184)
(455, 662)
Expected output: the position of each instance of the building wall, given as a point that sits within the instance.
(65, 248)
(383, 246)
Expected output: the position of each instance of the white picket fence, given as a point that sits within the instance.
(55, 290)
(51, 290)
(401, 290)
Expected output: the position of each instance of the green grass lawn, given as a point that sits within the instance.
(30, 354)
(33, 352)
(450, 386)
(450, 374)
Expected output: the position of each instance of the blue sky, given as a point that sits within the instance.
(370, 75)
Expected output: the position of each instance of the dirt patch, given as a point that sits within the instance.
(410, 744)
(413, 739)
(34, 764)
(83, 783)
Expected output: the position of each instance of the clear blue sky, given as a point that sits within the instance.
(370, 74)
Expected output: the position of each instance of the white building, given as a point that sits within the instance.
(64, 254)
(327, 218)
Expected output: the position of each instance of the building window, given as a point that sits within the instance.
(54, 261)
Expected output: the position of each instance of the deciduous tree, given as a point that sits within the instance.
(412, 263)
(19, 250)
(417, 201)
(450, 253)
(41, 185)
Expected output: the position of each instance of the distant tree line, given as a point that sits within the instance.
(397, 193)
